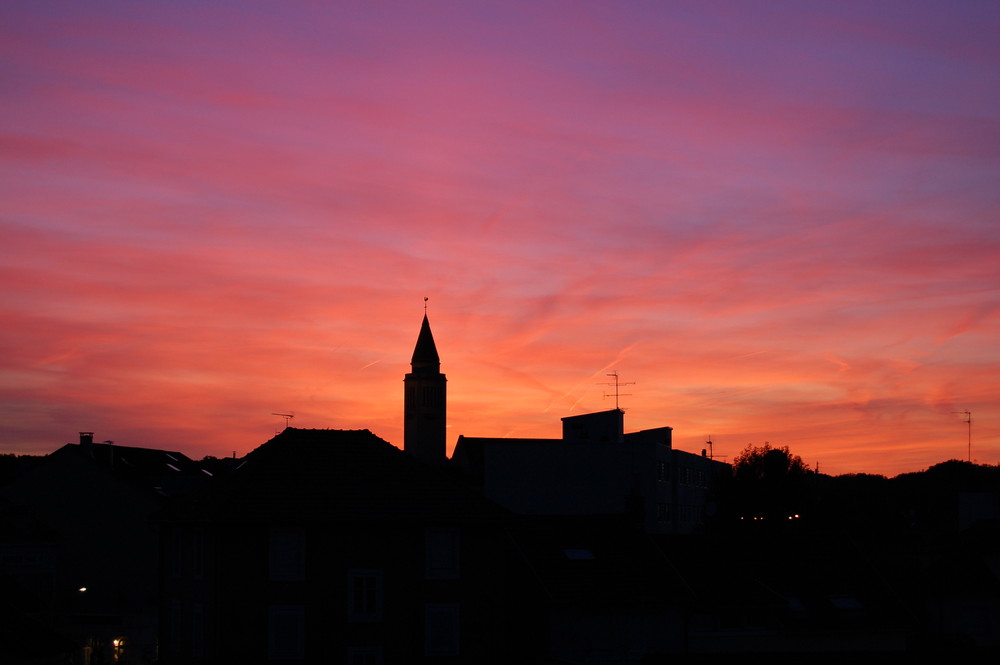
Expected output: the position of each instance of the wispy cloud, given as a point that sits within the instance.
(779, 223)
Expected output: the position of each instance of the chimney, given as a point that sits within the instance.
(86, 438)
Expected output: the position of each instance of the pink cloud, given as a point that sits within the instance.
(779, 224)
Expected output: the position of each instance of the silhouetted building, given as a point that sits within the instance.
(89, 546)
(596, 590)
(425, 402)
(28, 552)
(594, 469)
(334, 546)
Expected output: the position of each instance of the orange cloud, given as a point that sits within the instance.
(779, 225)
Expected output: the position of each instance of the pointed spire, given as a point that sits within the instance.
(425, 356)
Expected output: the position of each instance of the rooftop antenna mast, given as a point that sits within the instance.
(286, 416)
(968, 421)
(617, 384)
(710, 450)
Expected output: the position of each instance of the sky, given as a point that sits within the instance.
(775, 221)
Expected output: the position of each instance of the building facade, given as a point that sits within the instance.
(333, 546)
(96, 580)
(595, 468)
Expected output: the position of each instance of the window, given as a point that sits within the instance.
(199, 554)
(364, 656)
(176, 553)
(364, 595)
(198, 630)
(441, 635)
(662, 512)
(431, 396)
(441, 554)
(174, 627)
(287, 554)
(285, 632)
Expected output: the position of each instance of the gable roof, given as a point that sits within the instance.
(136, 460)
(149, 471)
(338, 475)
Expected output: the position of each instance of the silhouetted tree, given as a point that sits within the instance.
(933, 497)
(767, 462)
(770, 483)
(860, 503)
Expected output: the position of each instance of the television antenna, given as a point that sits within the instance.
(286, 416)
(711, 449)
(617, 384)
(968, 421)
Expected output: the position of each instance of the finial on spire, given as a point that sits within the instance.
(425, 304)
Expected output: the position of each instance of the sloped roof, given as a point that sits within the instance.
(138, 460)
(166, 472)
(313, 475)
(159, 472)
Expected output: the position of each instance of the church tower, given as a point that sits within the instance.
(424, 402)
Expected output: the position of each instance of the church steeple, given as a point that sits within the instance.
(425, 354)
(425, 401)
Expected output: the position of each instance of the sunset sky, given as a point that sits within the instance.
(777, 221)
